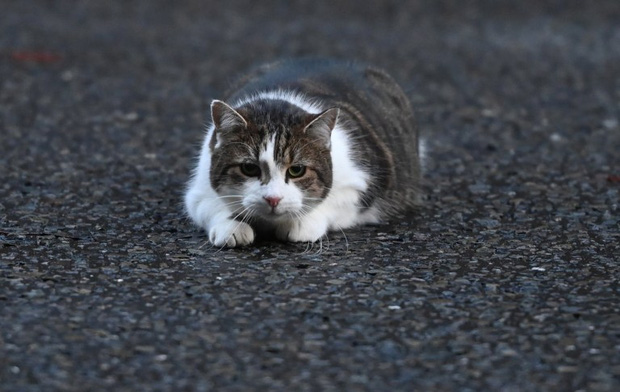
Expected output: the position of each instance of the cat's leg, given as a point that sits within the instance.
(336, 212)
(231, 233)
(310, 228)
(215, 216)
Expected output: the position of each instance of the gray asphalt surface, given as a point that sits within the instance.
(507, 279)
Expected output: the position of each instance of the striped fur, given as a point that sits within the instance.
(304, 147)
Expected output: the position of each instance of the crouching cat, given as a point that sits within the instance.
(304, 147)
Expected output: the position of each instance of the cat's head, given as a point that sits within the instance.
(271, 159)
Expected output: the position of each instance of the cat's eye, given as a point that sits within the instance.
(250, 169)
(296, 171)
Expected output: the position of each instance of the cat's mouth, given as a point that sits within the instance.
(274, 210)
(275, 213)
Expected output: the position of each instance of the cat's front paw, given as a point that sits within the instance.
(231, 233)
(301, 231)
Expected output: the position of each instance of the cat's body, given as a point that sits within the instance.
(305, 147)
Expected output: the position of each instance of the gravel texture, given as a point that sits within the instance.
(507, 279)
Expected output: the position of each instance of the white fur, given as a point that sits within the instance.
(211, 211)
(294, 219)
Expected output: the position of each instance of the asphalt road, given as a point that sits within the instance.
(506, 279)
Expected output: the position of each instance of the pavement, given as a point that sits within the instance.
(505, 279)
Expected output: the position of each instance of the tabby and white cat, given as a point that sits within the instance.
(304, 147)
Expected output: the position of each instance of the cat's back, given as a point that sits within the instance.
(319, 78)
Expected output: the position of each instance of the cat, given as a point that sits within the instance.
(302, 147)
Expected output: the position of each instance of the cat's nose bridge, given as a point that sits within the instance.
(265, 170)
(271, 173)
(273, 191)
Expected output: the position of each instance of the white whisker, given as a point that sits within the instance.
(320, 246)
(346, 240)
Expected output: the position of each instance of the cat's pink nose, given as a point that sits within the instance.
(272, 201)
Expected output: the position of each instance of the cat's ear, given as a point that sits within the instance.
(225, 117)
(322, 125)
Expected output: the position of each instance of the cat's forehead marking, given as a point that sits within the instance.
(267, 152)
(266, 159)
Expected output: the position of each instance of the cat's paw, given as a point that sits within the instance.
(301, 231)
(231, 233)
